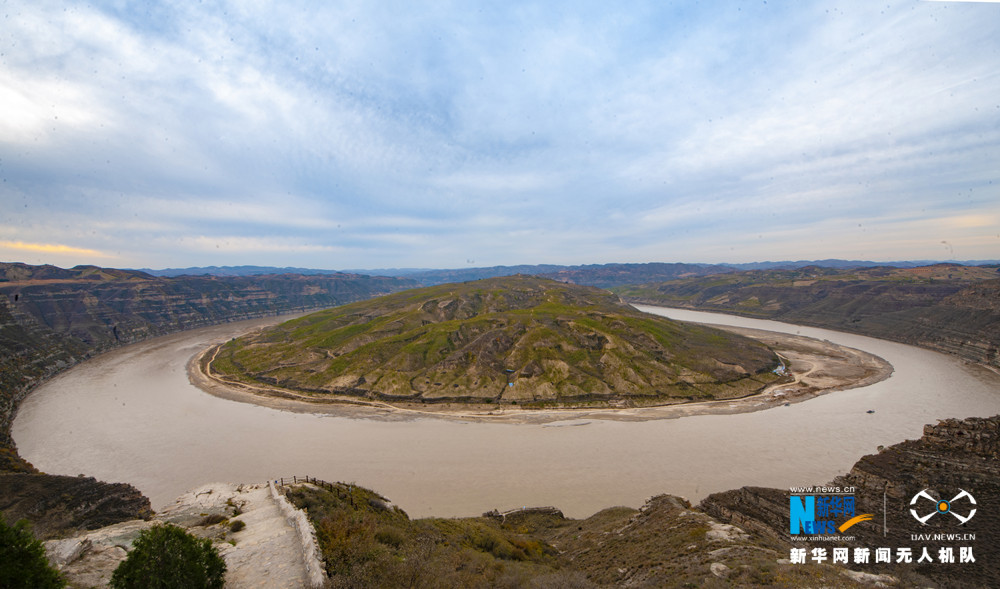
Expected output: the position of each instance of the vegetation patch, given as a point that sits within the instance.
(167, 556)
(513, 340)
(367, 543)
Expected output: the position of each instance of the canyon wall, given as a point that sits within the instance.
(951, 315)
(52, 318)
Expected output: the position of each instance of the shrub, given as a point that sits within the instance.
(237, 525)
(211, 520)
(390, 537)
(167, 557)
(22, 559)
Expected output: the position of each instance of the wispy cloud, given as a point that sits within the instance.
(51, 248)
(361, 134)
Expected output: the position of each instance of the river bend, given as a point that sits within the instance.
(132, 415)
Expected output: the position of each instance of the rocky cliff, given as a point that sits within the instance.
(945, 307)
(58, 504)
(951, 457)
(51, 318)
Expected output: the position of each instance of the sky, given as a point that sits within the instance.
(374, 134)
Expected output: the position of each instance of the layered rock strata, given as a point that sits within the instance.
(951, 457)
(948, 308)
(52, 318)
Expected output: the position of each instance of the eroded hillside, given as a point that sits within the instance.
(523, 340)
(946, 307)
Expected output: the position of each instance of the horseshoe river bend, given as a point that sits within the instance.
(132, 415)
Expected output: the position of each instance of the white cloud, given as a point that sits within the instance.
(491, 182)
(242, 245)
(507, 134)
(30, 109)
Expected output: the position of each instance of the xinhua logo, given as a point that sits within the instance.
(817, 514)
(941, 506)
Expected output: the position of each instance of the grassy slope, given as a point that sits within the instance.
(561, 343)
(366, 542)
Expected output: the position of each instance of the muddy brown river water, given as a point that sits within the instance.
(132, 415)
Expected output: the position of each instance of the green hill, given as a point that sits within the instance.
(518, 339)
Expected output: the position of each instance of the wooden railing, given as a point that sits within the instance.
(294, 480)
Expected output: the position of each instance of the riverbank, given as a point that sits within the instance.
(815, 367)
(133, 415)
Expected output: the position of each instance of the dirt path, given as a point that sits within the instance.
(267, 553)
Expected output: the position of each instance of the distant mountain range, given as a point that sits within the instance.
(243, 271)
(600, 275)
(844, 264)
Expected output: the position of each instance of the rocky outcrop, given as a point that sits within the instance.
(513, 516)
(754, 509)
(952, 456)
(59, 504)
(666, 543)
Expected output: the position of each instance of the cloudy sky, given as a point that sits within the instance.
(455, 134)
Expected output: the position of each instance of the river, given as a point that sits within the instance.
(132, 415)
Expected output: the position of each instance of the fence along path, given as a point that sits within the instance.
(306, 534)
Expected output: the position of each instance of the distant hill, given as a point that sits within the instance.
(518, 339)
(847, 264)
(16, 271)
(238, 271)
(946, 307)
(601, 275)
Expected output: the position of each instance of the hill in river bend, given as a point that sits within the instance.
(555, 343)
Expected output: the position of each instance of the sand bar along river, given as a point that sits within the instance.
(132, 415)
